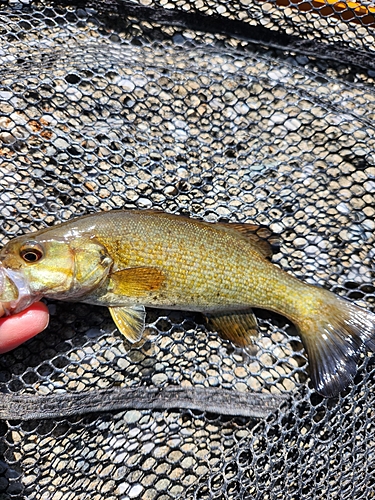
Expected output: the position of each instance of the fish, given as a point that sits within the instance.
(127, 260)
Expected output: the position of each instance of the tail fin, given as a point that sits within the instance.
(333, 342)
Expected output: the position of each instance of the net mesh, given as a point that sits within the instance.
(233, 111)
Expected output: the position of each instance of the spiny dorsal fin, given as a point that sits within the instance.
(265, 241)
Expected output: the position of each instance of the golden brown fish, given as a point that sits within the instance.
(127, 260)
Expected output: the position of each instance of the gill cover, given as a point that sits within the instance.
(71, 267)
(92, 265)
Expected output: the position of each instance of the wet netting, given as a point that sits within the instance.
(239, 111)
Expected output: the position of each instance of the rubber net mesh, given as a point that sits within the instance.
(236, 111)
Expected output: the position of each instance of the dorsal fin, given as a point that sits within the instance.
(267, 242)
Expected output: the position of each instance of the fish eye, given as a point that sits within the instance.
(31, 252)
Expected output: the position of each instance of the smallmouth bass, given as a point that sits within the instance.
(126, 260)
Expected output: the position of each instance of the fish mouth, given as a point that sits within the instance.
(15, 294)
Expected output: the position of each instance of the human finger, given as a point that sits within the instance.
(16, 329)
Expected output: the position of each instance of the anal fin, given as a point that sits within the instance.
(130, 321)
(239, 327)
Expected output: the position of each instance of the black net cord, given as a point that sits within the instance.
(219, 401)
(256, 34)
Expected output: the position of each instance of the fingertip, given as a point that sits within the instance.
(39, 308)
(14, 330)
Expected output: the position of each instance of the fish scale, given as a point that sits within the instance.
(200, 272)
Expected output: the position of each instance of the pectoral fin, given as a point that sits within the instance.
(136, 281)
(239, 327)
(130, 321)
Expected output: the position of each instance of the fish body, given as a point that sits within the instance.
(127, 260)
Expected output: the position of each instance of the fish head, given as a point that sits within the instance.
(46, 265)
